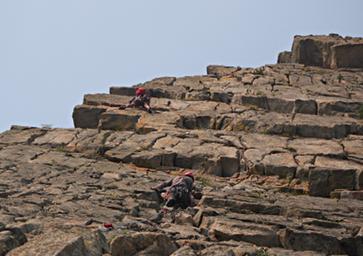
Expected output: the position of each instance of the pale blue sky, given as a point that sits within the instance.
(53, 52)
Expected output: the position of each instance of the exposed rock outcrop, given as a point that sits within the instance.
(331, 51)
(277, 153)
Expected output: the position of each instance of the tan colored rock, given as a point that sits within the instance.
(322, 181)
(220, 71)
(154, 158)
(20, 135)
(85, 116)
(184, 251)
(56, 137)
(119, 120)
(153, 244)
(347, 55)
(306, 241)
(110, 175)
(256, 234)
(354, 147)
(184, 219)
(327, 162)
(62, 243)
(284, 57)
(281, 164)
(299, 124)
(262, 141)
(331, 51)
(10, 238)
(310, 146)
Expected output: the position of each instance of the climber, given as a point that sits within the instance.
(141, 100)
(177, 192)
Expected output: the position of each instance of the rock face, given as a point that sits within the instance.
(58, 188)
(277, 153)
(286, 120)
(331, 51)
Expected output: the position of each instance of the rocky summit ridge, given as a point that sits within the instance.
(277, 152)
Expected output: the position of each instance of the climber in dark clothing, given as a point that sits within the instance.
(141, 100)
(177, 192)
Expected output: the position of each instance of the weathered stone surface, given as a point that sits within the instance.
(184, 251)
(62, 243)
(142, 244)
(284, 57)
(253, 233)
(299, 88)
(25, 135)
(334, 163)
(13, 153)
(198, 115)
(261, 142)
(323, 181)
(56, 137)
(331, 51)
(154, 159)
(118, 120)
(10, 238)
(316, 147)
(103, 99)
(74, 189)
(281, 164)
(338, 106)
(85, 116)
(306, 241)
(220, 71)
(347, 55)
(354, 147)
(327, 127)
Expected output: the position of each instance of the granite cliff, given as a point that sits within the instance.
(277, 152)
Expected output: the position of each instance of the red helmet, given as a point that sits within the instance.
(189, 174)
(140, 91)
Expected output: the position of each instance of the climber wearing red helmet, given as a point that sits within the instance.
(140, 91)
(141, 100)
(177, 192)
(189, 174)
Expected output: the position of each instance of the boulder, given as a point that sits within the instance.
(10, 238)
(322, 181)
(119, 120)
(154, 158)
(310, 146)
(220, 71)
(103, 99)
(143, 243)
(253, 233)
(349, 55)
(23, 135)
(332, 51)
(85, 116)
(281, 164)
(72, 242)
(284, 57)
(56, 137)
(310, 241)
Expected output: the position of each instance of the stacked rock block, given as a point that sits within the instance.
(331, 51)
